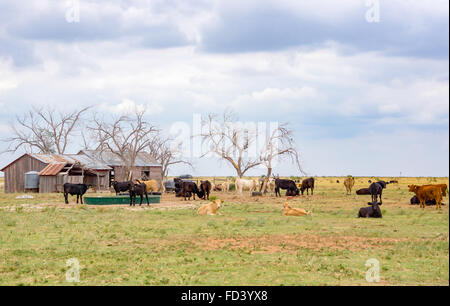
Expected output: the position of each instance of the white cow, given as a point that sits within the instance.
(243, 184)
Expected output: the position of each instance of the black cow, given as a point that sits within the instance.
(122, 186)
(415, 201)
(306, 184)
(373, 211)
(74, 189)
(187, 189)
(205, 189)
(138, 189)
(363, 191)
(376, 189)
(337, 181)
(288, 185)
(370, 181)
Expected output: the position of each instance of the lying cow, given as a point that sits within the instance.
(415, 201)
(373, 211)
(363, 191)
(74, 189)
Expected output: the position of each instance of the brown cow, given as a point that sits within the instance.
(349, 183)
(425, 193)
(442, 186)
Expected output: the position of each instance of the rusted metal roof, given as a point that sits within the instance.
(143, 159)
(52, 169)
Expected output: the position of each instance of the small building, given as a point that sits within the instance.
(54, 171)
(145, 165)
(88, 167)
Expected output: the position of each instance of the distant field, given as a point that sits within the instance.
(250, 243)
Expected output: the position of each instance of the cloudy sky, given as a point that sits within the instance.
(364, 98)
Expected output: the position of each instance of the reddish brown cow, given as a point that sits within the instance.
(425, 193)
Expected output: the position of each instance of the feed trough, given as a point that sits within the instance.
(119, 200)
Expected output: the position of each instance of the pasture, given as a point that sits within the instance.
(250, 243)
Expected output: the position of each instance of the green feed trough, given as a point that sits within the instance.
(113, 200)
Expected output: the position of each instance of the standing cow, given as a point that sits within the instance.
(306, 185)
(74, 189)
(349, 183)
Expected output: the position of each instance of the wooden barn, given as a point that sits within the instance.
(145, 165)
(54, 170)
(88, 167)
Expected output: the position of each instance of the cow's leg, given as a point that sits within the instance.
(77, 197)
(312, 191)
(66, 200)
(142, 198)
(81, 198)
(146, 196)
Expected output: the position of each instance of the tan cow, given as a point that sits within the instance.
(210, 209)
(349, 183)
(289, 211)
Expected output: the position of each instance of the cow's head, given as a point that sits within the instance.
(413, 188)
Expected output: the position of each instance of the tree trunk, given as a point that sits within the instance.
(266, 180)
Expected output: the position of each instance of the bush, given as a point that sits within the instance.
(232, 187)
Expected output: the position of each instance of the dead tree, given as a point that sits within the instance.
(45, 130)
(125, 137)
(280, 144)
(166, 155)
(230, 141)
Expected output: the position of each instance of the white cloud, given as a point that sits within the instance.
(128, 106)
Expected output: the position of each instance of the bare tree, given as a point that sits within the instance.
(166, 155)
(125, 137)
(44, 129)
(280, 144)
(231, 141)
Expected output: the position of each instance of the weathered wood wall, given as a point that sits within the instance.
(120, 174)
(15, 173)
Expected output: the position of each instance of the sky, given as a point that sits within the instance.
(364, 84)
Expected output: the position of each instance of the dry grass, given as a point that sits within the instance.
(251, 243)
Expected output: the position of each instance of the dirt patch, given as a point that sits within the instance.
(291, 243)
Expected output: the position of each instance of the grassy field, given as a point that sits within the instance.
(250, 243)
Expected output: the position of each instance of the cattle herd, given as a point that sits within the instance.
(431, 194)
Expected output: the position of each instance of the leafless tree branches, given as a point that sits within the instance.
(230, 141)
(44, 129)
(166, 155)
(279, 144)
(125, 137)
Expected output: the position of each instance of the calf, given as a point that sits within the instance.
(205, 188)
(373, 211)
(307, 184)
(288, 185)
(138, 189)
(122, 186)
(74, 189)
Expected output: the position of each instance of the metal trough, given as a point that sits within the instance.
(119, 200)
